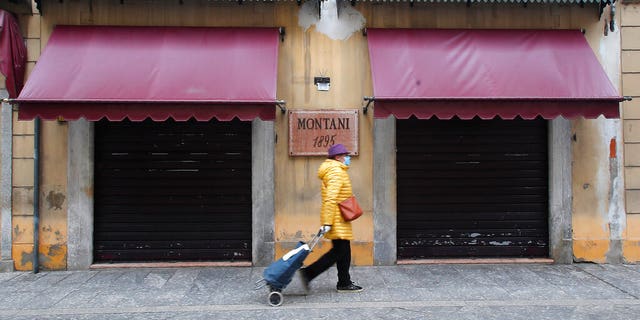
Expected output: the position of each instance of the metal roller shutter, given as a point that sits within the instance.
(171, 190)
(472, 188)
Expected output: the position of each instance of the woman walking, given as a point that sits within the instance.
(336, 187)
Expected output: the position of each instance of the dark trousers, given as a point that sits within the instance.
(340, 254)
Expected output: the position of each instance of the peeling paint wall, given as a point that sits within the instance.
(21, 185)
(337, 21)
(599, 219)
(52, 191)
(52, 232)
(598, 211)
(53, 196)
(332, 46)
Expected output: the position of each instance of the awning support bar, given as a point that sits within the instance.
(280, 104)
(366, 107)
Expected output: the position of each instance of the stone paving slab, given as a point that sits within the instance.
(522, 291)
(619, 276)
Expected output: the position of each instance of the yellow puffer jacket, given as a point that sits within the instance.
(336, 187)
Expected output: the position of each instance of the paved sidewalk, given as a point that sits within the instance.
(518, 291)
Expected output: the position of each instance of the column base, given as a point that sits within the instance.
(7, 266)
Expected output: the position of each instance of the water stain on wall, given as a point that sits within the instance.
(17, 232)
(55, 200)
(55, 250)
(88, 191)
(26, 258)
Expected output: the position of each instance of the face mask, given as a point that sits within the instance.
(347, 160)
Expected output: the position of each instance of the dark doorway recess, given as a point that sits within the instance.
(472, 188)
(172, 191)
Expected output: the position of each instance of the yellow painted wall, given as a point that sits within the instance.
(303, 55)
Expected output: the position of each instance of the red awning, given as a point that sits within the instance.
(488, 73)
(155, 72)
(13, 53)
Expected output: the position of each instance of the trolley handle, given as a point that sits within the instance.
(321, 231)
(316, 238)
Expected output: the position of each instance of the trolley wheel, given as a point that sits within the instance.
(275, 298)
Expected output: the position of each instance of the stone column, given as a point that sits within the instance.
(80, 186)
(6, 153)
(560, 194)
(263, 191)
(385, 219)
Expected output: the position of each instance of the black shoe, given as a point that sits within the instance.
(351, 287)
(304, 280)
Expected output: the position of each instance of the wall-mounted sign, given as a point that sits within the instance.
(312, 132)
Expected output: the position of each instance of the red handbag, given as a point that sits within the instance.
(350, 209)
